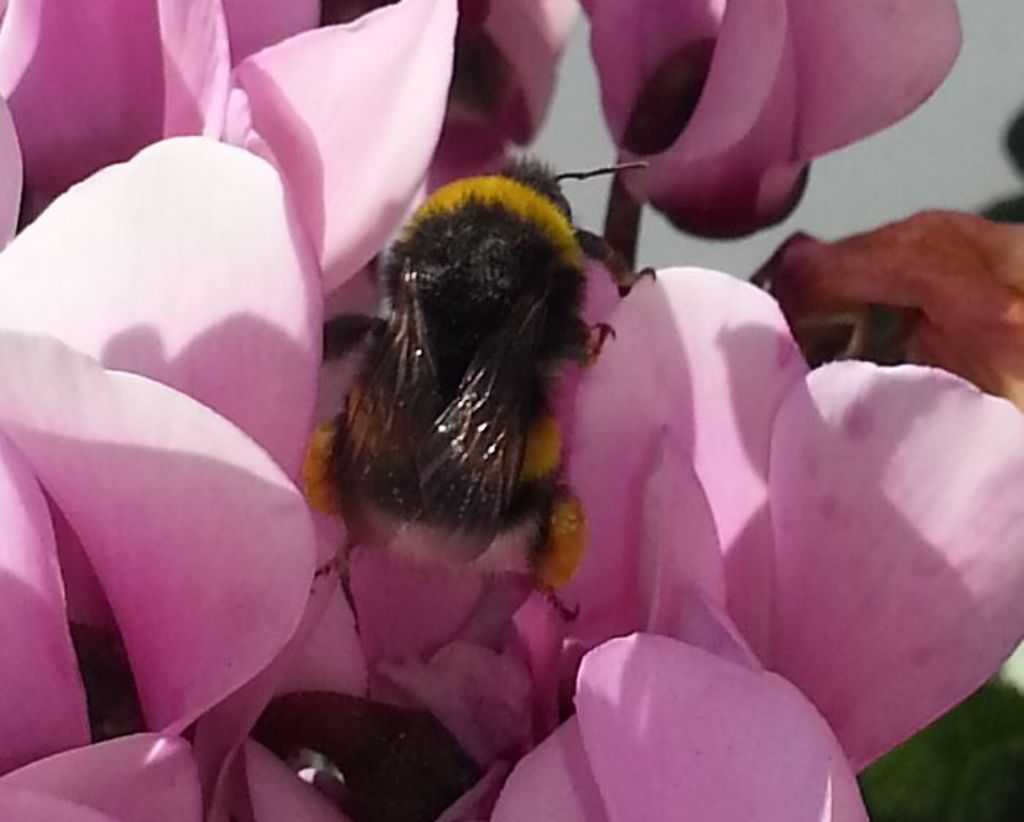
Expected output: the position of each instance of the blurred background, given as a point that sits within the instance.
(949, 154)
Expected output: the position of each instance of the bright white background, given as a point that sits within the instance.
(948, 154)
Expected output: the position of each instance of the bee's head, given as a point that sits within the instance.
(541, 179)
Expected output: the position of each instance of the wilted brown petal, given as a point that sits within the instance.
(940, 288)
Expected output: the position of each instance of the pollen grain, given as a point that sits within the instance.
(561, 558)
(316, 480)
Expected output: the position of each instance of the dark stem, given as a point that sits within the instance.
(622, 221)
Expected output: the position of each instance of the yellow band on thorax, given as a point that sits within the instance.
(515, 197)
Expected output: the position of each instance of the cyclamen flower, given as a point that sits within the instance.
(729, 102)
(134, 513)
(259, 73)
(135, 72)
(726, 486)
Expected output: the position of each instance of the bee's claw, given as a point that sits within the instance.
(600, 332)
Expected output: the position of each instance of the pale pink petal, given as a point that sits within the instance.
(435, 604)
(671, 731)
(553, 783)
(481, 696)
(531, 34)
(140, 778)
(27, 806)
(680, 550)
(84, 83)
(717, 360)
(322, 653)
(42, 703)
(10, 175)
(631, 42)
(256, 24)
(204, 287)
(354, 150)
(865, 65)
(331, 658)
(746, 185)
(277, 794)
(202, 545)
(196, 66)
(898, 508)
(539, 635)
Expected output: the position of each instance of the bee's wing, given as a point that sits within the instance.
(471, 459)
(391, 408)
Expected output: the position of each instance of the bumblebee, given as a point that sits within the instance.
(446, 448)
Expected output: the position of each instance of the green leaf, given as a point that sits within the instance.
(965, 767)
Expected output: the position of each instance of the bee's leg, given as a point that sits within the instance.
(600, 250)
(566, 612)
(559, 557)
(345, 331)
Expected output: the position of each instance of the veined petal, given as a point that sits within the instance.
(896, 497)
(139, 778)
(353, 155)
(202, 545)
(42, 703)
(205, 287)
(670, 730)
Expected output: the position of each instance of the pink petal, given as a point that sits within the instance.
(539, 636)
(896, 498)
(717, 360)
(277, 794)
(865, 65)
(681, 551)
(531, 34)
(331, 658)
(231, 316)
(435, 604)
(750, 184)
(256, 24)
(42, 708)
(630, 44)
(202, 545)
(10, 175)
(322, 653)
(553, 783)
(26, 806)
(140, 778)
(196, 66)
(482, 697)
(672, 731)
(106, 60)
(332, 139)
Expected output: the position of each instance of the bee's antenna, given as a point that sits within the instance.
(597, 172)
